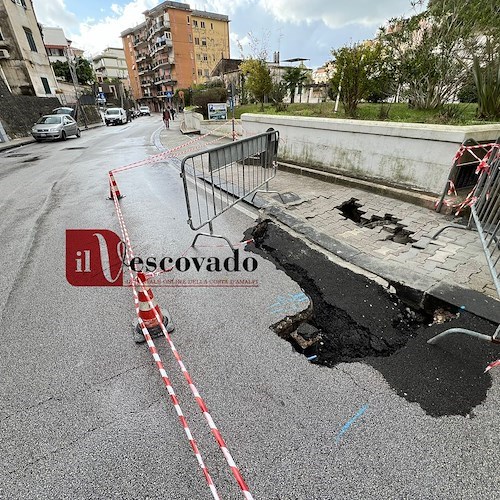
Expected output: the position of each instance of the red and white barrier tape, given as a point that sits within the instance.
(492, 365)
(164, 154)
(159, 364)
(216, 433)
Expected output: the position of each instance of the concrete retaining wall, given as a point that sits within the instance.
(410, 155)
(194, 122)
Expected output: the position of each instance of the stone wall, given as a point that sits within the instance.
(18, 113)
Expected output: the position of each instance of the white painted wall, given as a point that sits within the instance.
(416, 156)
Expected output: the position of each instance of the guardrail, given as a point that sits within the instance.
(485, 218)
(225, 175)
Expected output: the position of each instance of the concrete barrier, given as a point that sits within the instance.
(408, 155)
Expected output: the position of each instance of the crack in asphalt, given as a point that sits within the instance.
(59, 398)
(81, 437)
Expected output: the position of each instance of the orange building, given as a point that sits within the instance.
(161, 53)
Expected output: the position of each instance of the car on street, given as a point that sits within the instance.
(144, 110)
(55, 127)
(114, 116)
(64, 111)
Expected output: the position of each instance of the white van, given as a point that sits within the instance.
(114, 116)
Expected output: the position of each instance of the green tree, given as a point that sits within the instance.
(84, 71)
(487, 79)
(432, 52)
(293, 78)
(258, 80)
(359, 70)
(278, 93)
(61, 70)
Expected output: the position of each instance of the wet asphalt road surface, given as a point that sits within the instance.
(84, 413)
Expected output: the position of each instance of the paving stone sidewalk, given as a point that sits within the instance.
(389, 237)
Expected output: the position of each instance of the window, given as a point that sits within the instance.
(204, 41)
(197, 41)
(205, 57)
(1, 36)
(22, 3)
(211, 26)
(190, 37)
(207, 73)
(202, 24)
(200, 72)
(188, 19)
(31, 40)
(198, 56)
(46, 85)
(195, 23)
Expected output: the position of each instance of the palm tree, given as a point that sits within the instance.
(294, 77)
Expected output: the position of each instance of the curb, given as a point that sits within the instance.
(416, 198)
(413, 287)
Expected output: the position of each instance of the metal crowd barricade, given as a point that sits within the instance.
(225, 175)
(485, 217)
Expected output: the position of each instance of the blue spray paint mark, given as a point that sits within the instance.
(288, 304)
(350, 422)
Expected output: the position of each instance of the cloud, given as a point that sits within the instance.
(336, 13)
(226, 7)
(94, 35)
(55, 14)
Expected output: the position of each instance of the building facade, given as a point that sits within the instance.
(56, 44)
(111, 64)
(24, 64)
(211, 42)
(174, 48)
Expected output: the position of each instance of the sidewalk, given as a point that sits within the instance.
(388, 237)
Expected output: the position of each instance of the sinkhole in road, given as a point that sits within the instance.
(351, 209)
(353, 319)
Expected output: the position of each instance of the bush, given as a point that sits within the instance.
(468, 92)
(202, 98)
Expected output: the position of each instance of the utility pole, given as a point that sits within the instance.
(71, 59)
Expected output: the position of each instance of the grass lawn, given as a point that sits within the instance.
(451, 114)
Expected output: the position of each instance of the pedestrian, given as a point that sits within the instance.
(166, 117)
(172, 113)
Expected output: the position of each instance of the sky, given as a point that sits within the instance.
(296, 28)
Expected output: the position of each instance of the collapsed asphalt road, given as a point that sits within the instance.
(356, 319)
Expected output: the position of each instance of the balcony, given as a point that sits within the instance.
(165, 61)
(144, 69)
(146, 83)
(139, 40)
(160, 44)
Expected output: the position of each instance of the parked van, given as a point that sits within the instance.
(113, 116)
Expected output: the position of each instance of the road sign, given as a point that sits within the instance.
(217, 111)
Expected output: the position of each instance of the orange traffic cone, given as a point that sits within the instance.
(151, 316)
(113, 187)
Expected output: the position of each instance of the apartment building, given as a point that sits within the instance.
(161, 52)
(56, 44)
(24, 64)
(211, 42)
(111, 64)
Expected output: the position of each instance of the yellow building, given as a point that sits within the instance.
(211, 42)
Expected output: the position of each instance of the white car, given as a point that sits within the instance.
(144, 110)
(113, 116)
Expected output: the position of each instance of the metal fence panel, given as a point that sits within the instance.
(225, 175)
